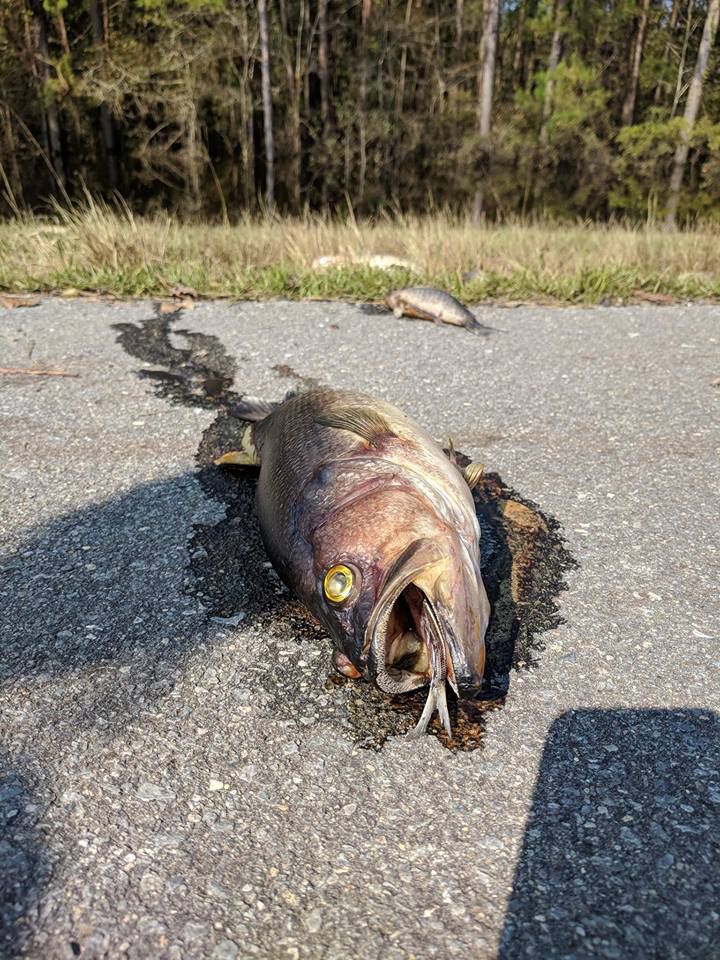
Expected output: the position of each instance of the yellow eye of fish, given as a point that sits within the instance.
(338, 583)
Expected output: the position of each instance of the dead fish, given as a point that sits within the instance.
(427, 303)
(374, 529)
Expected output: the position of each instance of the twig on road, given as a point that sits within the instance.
(30, 372)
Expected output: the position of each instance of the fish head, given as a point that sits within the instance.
(402, 594)
(431, 614)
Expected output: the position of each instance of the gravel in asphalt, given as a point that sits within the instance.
(179, 779)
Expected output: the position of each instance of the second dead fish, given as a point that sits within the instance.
(428, 303)
(374, 529)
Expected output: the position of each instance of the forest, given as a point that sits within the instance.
(215, 109)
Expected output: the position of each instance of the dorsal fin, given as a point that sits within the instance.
(252, 408)
(363, 421)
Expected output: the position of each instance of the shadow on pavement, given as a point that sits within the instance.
(22, 860)
(104, 584)
(621, 856)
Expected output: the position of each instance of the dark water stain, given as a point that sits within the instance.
(524, 558)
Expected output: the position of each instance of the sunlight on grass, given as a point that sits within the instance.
(110, 251)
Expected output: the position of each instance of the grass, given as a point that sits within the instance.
(110, 251)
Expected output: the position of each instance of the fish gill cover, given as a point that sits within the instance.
(523, 553)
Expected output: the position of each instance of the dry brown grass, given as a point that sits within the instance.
(112, 251)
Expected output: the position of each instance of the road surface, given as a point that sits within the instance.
(178, 777)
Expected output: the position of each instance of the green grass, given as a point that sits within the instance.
(111, 252)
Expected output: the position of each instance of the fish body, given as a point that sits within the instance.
(374, 529)
(427, 303)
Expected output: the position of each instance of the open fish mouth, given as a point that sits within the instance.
(408, 644)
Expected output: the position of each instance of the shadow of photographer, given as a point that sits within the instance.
(621, 856)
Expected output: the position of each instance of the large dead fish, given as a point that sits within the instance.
(427, 303)
(373, 527)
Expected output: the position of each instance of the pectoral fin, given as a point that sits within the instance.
(473, 473)
(245, 456)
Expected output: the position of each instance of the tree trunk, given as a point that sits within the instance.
(292, 72)
(13, 182)
(324, 94)
(403, 60)
(459, 17)
(51, 112)
(247, 133)
(267, 105)
(62, 33)
(691, 110)
(517, 78)
(488, 51)
(107, 129)
(667, 49)
(681, 66)
(553, 61)
(362, 105)
(628, 110)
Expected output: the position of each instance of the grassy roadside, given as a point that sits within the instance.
(111, 252)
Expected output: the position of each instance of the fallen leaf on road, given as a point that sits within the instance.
(650, 296)
(11, 303)
(70, 292)
(715, 382)
(32, 372)
(172, 306)
(181, 291)
(168, 307)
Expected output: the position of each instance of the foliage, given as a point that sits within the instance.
(159, 100)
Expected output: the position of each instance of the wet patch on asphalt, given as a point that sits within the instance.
(524, 558)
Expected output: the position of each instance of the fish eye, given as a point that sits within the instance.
(338, 583)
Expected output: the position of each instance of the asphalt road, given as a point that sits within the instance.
(175, 786)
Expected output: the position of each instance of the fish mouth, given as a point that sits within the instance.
(408, 642)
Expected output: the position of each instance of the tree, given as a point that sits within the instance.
(691, 110)
(553, 61)
(323, 70)
(107, 129)
(267, 105)
(51, 115)
(218, 107)
(488, 51)
(628, 110)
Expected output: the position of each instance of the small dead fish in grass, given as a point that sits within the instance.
(374, 528)
(427, 303)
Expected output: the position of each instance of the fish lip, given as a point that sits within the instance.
(418, 556)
